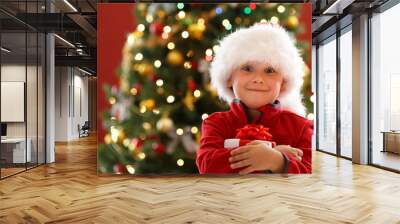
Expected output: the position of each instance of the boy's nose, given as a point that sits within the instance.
(258, 78)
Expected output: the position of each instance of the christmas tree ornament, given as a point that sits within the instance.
(119, 168)
(292, 22)
(161, 14)
(157, 28)
(149, 104)
(158, 148)
(175, 58)
(191, 85)
(196, 31)
(188, 101)
(165, 124)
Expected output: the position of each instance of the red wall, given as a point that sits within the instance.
(114, 21)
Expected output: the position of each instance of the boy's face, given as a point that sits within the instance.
(256, 84)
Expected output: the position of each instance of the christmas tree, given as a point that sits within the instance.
(164, 94)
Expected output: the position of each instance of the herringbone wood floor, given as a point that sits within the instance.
(70, 191)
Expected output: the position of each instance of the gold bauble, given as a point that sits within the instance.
(292, 22)
(149, 104)
(161, 14)
(175, 58)
(196, 31)
(144, 69)
(189, 101)
(165, 124)
(107, 139)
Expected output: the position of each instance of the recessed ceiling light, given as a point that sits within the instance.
(5, 50)
(70, 5)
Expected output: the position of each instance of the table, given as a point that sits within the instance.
(391, 141)
(15, 148)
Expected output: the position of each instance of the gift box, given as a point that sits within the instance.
(248, 134)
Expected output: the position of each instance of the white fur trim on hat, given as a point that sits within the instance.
(266, 43)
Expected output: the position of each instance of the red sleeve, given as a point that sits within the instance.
(304, 143)
(212, 157)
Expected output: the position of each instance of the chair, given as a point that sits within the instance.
(84, 130)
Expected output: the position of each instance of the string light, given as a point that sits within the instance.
(216, 48)
(194, 130)
(170, 45)
(164, 36)
(310, 116)
(112, 100)
(149, 18)
(281, 9)
(181, 14)
(157, 63)
(200, 21)
(114, 134)
(187, 65)
(225, 22)
(146, 126)
(218, 10)
(167, 29)
(130, 169)
(170, 99)
(134, 91)
(143, 109)
(209, 52)
(179, 131)
(197, 93)
(159, 82)
(141, 27)
(156, 111)
(312, 98)
(185, 34)
(138, 56)
(204, 116)
(180, 6)
(274, 20)
(247, 10)
(252, 6)
(131, 39)
(126, 142)
(141, 155)
(180, 162)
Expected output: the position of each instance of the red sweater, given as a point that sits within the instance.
(286, 128)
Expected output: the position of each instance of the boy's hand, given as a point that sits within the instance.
(287, 149)
(256, 156)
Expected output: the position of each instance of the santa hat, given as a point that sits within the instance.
(266, 43)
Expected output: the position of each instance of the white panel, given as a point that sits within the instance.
(12, 101)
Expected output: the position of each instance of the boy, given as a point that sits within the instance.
(258, 71)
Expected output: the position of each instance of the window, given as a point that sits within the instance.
(327, 96)
(385, 89)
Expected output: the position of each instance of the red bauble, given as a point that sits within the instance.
(195, 65)
(138, 87)
(192, 85)
(137, 143)
(158, 148)
(119, 168)
(154, 77)
(157, 28)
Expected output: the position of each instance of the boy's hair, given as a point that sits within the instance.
(266, 43)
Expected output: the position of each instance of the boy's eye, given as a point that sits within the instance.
(246, 68)
(270, 70)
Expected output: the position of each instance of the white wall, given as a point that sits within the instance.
(71, 94)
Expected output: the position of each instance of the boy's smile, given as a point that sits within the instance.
(256, 84)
